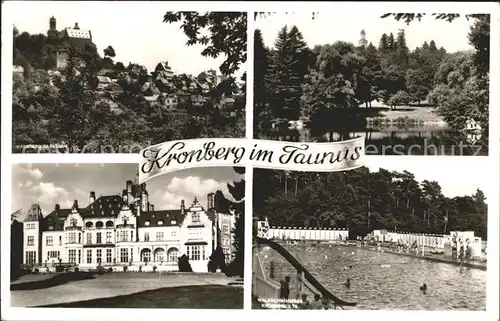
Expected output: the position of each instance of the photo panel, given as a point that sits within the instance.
(387, 77)
(390, 235)
(88, 82)
(92, 236)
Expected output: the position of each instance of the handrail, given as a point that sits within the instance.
(300, 268)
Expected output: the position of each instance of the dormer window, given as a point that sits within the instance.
(160, 222)
(147, 223)
(195, 217)
(173, 222)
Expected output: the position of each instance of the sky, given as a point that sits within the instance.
(138, 38)
(328, 27)
(50, 184)
(458, 176)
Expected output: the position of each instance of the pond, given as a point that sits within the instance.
(422, 140)
(383, 280)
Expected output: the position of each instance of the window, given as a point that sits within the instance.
(108, 237)
(131, 255)
(99, 256)
(225, 229)
(53, 254)
(30, 257)
(72, 256)
(131, 236)
(73, 222)
(160, 222)
(195, 217)
(79, 238)
(146, 236)
(195, 252)
(99, 238)
(173, 233)
(31, 240)
(60, 240)
(173, 222)
(123, 255)
(79, 256)
(49, 240)
(203, 253)
(124, 236)
(108, 255)
(147, 223)
(89, 238)
(159, 236)
(89, 256)
(30, 226)
(72, 238)
(172, 254)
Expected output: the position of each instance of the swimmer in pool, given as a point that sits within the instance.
(347, 284)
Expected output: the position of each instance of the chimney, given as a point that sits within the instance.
(75, 204)
(183, 208)
(151, 207)
(92, 197)
(76, 26)
(129, 191)
(58, 207)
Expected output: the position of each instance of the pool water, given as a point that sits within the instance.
(383, 280)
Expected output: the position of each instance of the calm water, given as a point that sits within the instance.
(376, 287)
(425, 140)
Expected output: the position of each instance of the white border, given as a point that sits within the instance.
(137, 314)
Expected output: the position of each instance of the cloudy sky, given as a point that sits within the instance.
(329, 27)
(139, 38)
(51, 184)
(458, 176)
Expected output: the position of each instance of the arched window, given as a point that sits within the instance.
(99, 224)
(146, 255)
(159, 255)
(89, 225)
(109, 224)
(172, 254)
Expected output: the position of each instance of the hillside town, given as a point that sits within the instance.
(130, 93)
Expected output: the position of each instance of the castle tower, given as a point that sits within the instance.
(362, 41)
(144, 198)
(32, 253)
(52, 33)
(92, 197)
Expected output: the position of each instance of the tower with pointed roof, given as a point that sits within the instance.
(362, 41)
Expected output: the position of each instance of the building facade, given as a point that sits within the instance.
(124, 230)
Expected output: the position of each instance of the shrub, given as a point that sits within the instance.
(217, 260)
(110, 270)
(140, 268)
(37, 271)
(154, 268)
(125, 268)
(77, 269)
(184, 265)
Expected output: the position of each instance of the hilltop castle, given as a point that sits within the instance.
(75, 36)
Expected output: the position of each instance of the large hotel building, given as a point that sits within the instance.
(127, 230)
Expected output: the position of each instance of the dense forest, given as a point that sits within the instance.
(293, 81)
(362, 200)
(56, 108)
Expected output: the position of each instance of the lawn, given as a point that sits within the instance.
(183, 297)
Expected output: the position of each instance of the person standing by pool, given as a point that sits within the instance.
(285, 288)
(317, 304)
(305, 304)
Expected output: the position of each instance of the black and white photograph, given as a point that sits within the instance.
(85, 81)
(389, 236)
(91, 236)
(410, 83)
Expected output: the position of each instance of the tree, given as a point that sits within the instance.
(109, 52)
(228, 35)
(417, 85)
(398, 99)
(237, 190)
(261, 65)
(77, 117)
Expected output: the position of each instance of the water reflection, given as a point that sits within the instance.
(384, 280)
(422, 140)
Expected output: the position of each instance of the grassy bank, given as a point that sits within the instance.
(182, 297)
